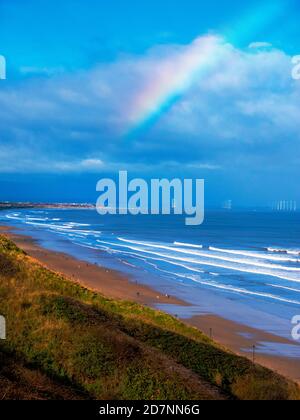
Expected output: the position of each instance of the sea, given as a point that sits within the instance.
(241, 265)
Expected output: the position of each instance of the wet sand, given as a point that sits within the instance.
(112, 284)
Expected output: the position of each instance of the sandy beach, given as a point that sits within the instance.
(112, 284)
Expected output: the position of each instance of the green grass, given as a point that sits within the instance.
(110, 349)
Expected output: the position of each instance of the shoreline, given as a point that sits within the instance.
(110, 283)
(115, 285)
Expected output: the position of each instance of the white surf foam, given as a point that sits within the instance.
(291, 289)
(188, 245)
(277, 274)
(255, 255)
(284, 250)
(247, 292)
(247, 262)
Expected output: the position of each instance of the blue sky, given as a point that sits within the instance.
(87, 95)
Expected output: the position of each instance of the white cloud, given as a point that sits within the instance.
(41, 71)
(255, 45)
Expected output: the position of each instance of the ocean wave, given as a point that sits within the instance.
(213, 256)
(86, 232)
(188, 245)
(291, 289)
(48, 225)
(230, 288)
(276, 274)
(284, 250)
(13, 217)
(64, 227)
(127, 263)
(255, 255)
(246, 292)
(74, 224)
(35, 220)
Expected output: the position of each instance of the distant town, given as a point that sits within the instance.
(29, 205)
(278, 206)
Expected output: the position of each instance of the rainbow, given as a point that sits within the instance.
(178, 72)
(171, 79)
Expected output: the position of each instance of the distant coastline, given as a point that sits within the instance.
(6, 205)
